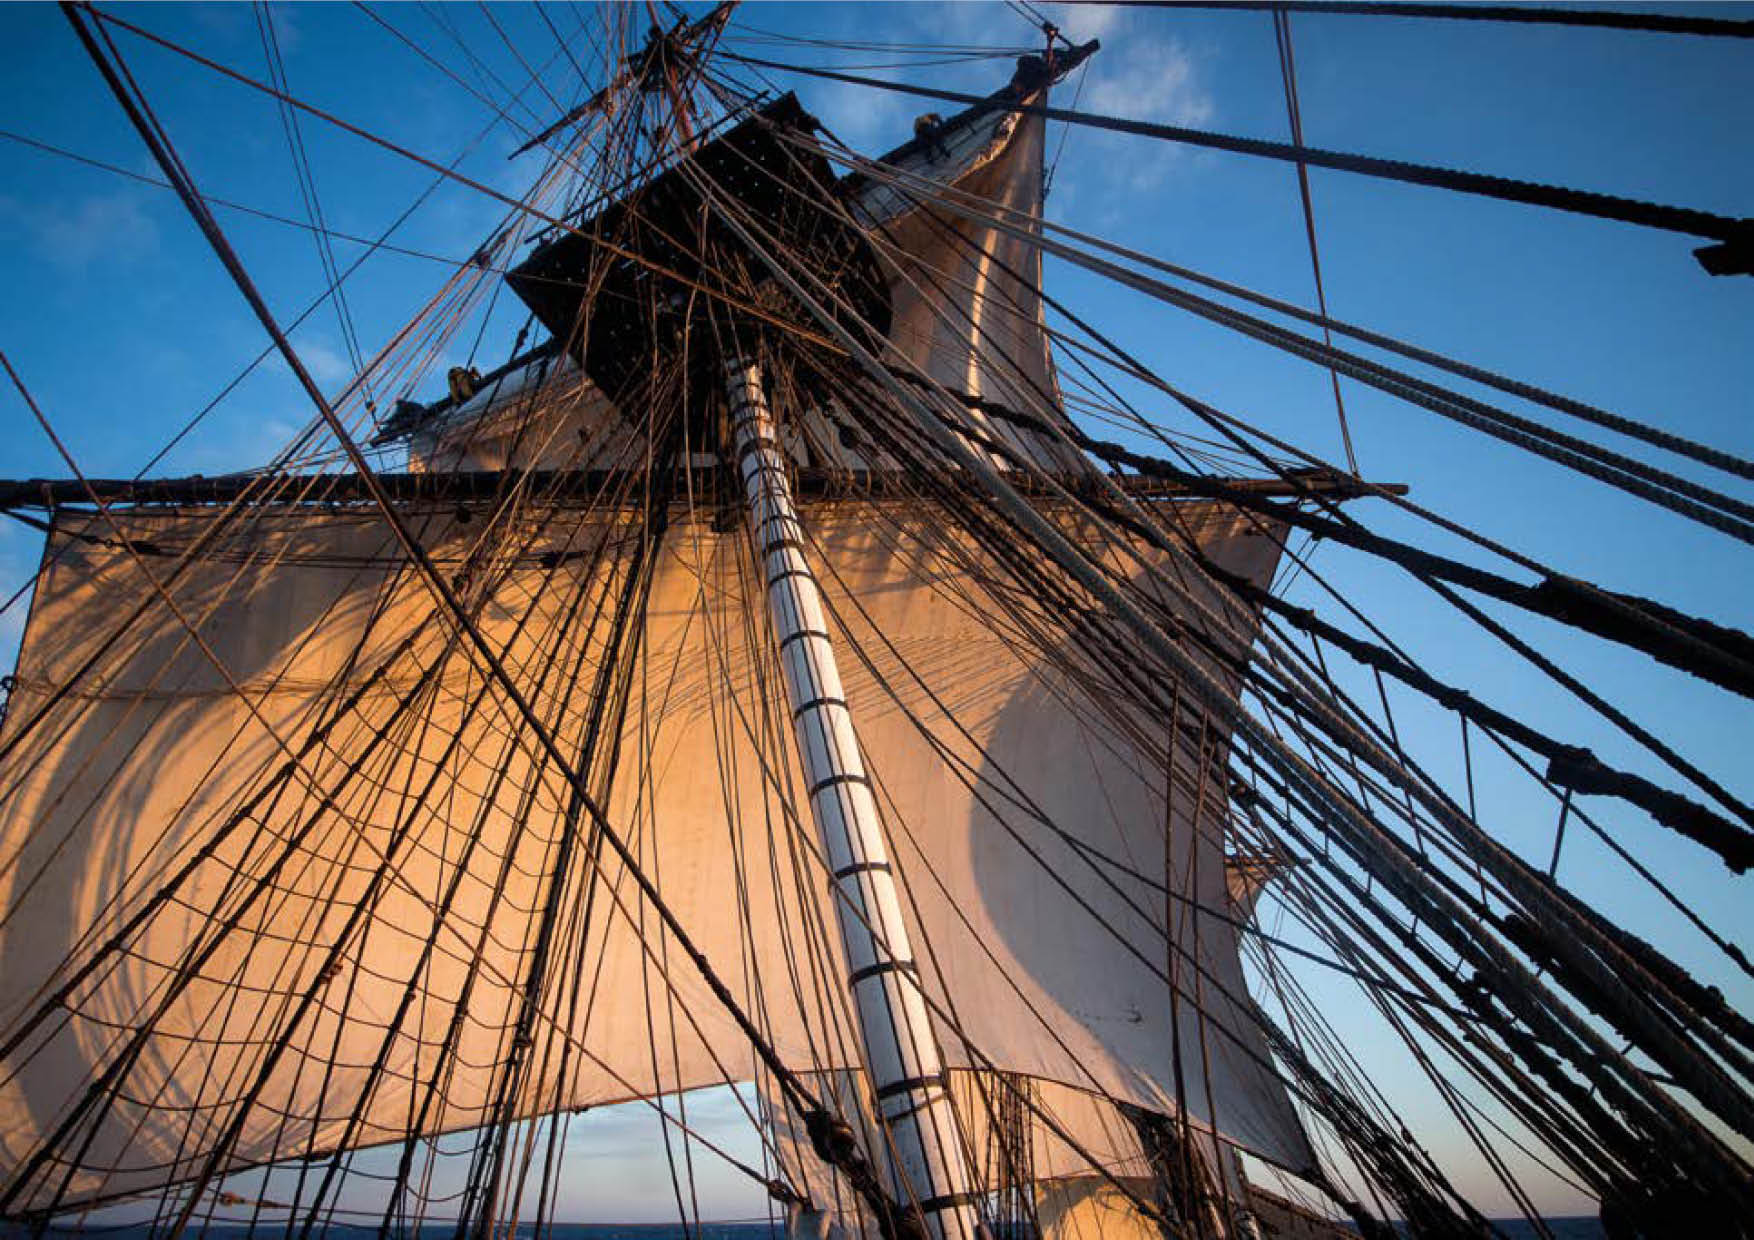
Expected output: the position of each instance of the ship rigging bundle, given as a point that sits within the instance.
(819, 665)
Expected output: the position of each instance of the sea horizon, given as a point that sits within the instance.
(1578, 1227)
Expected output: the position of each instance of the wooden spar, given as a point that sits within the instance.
(908, 1083)
(589, 487)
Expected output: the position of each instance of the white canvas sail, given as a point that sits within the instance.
(965, 295)
(133, 772)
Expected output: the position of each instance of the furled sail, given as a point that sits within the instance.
(305, 855)
(529, 417)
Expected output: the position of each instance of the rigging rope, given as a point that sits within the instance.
(1048, 595)
(1601, 17)
(446, 597)
(1294, 112)
(1685, 220)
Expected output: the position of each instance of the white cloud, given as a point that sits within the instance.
(227, 20)
(1141, 73)
(243, 441)
(966, 23)
(73, 233)
(870, 121)
(1083, 22)
(458, 220)
(326, 365)
(1151, 80)
(1140, 77)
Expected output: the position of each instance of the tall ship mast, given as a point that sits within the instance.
(807, 678)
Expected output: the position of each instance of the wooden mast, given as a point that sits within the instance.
(910, 1090)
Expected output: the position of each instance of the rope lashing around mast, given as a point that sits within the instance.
(1735, 237)
(1598, 18)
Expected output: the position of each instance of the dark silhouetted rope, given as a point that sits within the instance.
(1685, 220)
(1596, 17)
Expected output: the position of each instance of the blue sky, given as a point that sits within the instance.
(123, 324)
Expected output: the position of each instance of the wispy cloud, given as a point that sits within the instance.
(74, 232)
(1141, 74)
(243, 441)
(1088, 21)
(327, 365)
(287, 30)
(866, 120)
(972, 24)
(1154, 80)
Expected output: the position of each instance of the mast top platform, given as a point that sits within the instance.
(658, 273)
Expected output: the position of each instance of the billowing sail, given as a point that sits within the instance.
(965, 293)
(281, 887)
